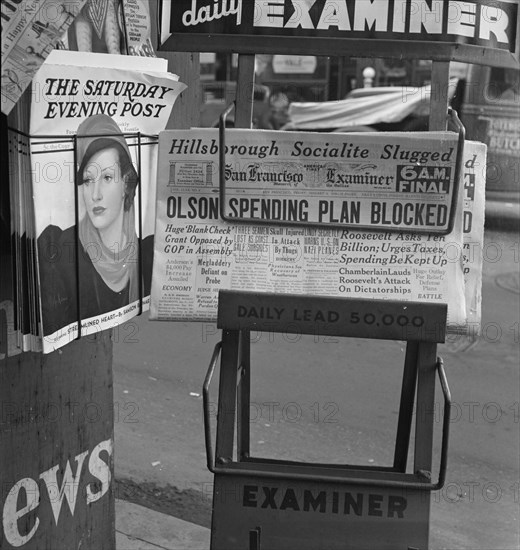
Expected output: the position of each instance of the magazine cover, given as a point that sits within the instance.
(391, 192)
(99, 27)
(111, 26)
(94, 126)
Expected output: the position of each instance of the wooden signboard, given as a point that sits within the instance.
(474, 31)
(56, 448)
(355, 318)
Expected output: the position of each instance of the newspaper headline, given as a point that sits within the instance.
(383, 250)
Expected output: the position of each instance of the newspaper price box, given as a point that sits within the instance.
(267, 504)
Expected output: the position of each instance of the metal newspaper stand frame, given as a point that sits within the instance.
(342, 499)
(452, 117)
(240, 518)
(135, 140)
(326, 488)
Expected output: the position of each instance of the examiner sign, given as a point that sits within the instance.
(313, 514)
(440, 29)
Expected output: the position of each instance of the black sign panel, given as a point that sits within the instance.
(477, 31)
(321, 315)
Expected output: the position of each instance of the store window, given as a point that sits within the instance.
(504, 85)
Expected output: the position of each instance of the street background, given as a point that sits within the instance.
(331, 400)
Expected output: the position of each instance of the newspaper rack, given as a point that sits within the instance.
(346, 496)
(452, 117)
(336, 491)
(310, 487)
(135, 141)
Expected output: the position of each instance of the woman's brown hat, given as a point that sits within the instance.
(95, 133)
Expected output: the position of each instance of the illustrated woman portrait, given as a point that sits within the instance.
(107, 258)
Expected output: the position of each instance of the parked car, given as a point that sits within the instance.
(487, 101)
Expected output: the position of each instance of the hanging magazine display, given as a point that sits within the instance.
(30, 30)
(111, 26)
(389, 198)
(94, 129)
(99, 27)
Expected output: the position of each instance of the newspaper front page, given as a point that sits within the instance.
(302, 178)
(94, 126)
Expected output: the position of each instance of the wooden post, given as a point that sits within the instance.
(56, 448)
(186, 111)
(439, 95)
(56, 436)
(428, 354)
(245, 91)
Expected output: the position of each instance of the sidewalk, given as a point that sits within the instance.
(139, 528)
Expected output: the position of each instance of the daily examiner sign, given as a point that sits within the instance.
(220, 24)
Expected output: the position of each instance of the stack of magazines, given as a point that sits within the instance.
(82, 190)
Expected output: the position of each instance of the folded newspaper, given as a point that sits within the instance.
(94, 125)
(31, 30)
(390, 191)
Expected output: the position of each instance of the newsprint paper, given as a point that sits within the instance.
(391, 190)
(94, 196)
(30, 30)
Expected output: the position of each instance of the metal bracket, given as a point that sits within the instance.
(452, 117)
(72, 142)
(227, 467)
(205, 403)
